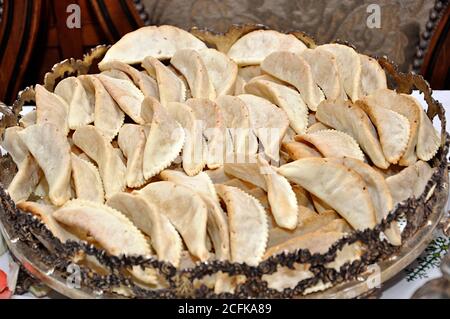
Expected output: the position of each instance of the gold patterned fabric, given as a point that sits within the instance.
(401, 20)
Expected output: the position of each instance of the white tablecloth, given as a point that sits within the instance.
(406, 282)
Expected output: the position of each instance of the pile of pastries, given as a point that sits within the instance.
(181, 152)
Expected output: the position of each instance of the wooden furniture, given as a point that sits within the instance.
(436, 60)
(34, 36)
(19, 29)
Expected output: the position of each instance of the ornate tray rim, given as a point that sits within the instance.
(352, 289)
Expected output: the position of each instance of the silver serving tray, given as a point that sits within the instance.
(366, 282)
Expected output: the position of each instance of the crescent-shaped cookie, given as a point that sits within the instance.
(332, 143)
(164, 141)
(237, 121)
(255, 46)
(194, 152)
(325, 72)
(217, 225)
(349, 118)
(108, 117)
(222, 71)
(165, 239)
(51, 150)
(12, 143)
(171, 88)
(428, 141)
(141, 79)
(214, 130)
(410, 182)
(160, 42)
(294, 69)
(25, 181)
(282, 199)
(249, 172)
(269, 123)
(87, 182)
(132, 139)
(51, 108)
(190, 64)
(423, 141)
(379, 192)
(185, 210)
(248, 225)
(45, 213)
(340, 187)
(112, 169)
(349, 67)
(393, 130)
(126, 94)
(284, 97)
(110, 229)
(79, 99)
(298, 150)
(373, 77)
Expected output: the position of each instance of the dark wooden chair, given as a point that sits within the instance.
(34, 36)
(19, 28)
(433, 53)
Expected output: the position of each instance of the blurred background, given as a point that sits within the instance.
(36, 34)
